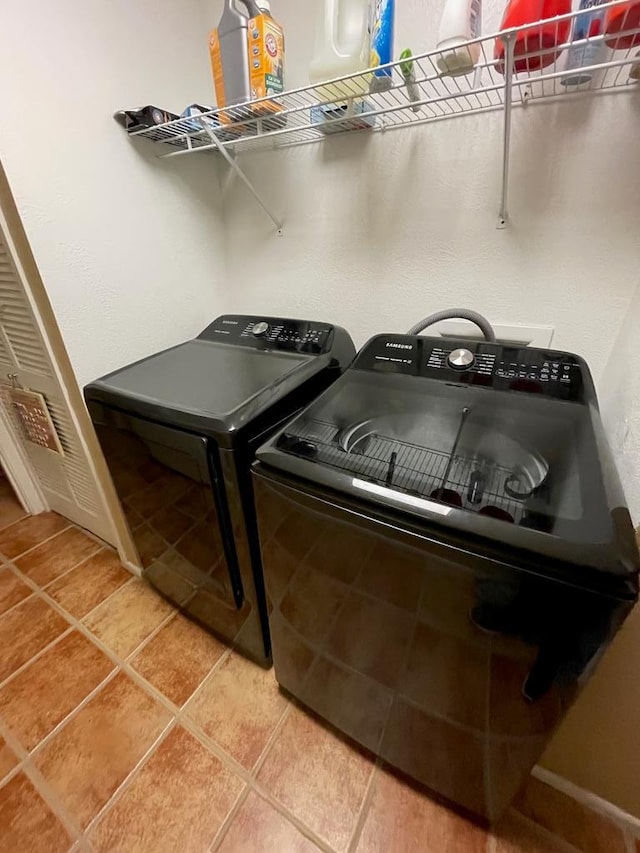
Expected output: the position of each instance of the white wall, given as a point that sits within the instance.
(620, 403)
(382, 230)
(130, 248)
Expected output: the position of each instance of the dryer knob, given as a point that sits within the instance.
(260, 329)
(461, 359)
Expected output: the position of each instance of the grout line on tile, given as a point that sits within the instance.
(148, 685)
(74, 623)
(59, 608)
(226, 823)
(365, 806)
(129, 778)
(70, 569)
(7, 526)
(37, 749)
(38, 544)
(121, 663)
(78, 625)
(13, 772)
(293, 818)
(178, 717)
(272, 738)
(190, 701)
(82, 629)
(142, 682)
(13, 742)
(35, 589)
(168, 618)
(36, 656)
(214, 747)
(51, 799)
(22, 600)
(104, 600)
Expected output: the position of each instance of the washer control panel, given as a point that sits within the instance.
(271, 333)
(505, 368)
(498, 366)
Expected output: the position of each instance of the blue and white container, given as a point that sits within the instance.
(381, 28)
(586, 27)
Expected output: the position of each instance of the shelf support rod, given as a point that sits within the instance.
(503, 215)
(236, 168)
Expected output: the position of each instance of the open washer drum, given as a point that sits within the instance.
(447, 552)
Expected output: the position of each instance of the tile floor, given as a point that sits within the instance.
(124, 727)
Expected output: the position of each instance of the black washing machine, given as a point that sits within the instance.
(179, 430)
(447, 553)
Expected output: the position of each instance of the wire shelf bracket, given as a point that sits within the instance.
(420, 94)
(233, 163)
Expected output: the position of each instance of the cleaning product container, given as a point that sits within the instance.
(461, 21)
(619, 19)
(229, 49)
(580, 56)
(535, 46)
(341, 47)
(381, 32)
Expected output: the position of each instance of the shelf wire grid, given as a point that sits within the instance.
(417, 470)
(312, 113)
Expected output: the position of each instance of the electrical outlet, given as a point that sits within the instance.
(534, 336)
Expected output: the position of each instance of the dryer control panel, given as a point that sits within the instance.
(498, 366)
(271, 333)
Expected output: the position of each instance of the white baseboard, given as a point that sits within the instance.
(587, 798)
(136, 571)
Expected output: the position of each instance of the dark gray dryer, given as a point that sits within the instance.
(179, 430)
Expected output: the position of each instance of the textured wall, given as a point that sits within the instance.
(599, 743)
(620, 401)
(129, 248)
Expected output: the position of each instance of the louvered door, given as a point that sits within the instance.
(67, 481)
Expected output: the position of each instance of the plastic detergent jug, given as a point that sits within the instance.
(341, 47)
(229, 48)
(538, 45)
(619, 19)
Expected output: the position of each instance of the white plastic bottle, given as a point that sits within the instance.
(341, 47)
(461, 21)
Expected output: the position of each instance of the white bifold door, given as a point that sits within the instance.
(68, 481)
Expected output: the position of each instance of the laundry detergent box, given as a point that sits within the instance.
(266, 59)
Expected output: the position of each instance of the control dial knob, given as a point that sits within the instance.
(461, 359)
(260, 329)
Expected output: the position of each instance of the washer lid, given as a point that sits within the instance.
(206, 386)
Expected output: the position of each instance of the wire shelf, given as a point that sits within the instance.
(413, 469)
(498, 81)
(503, 77)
